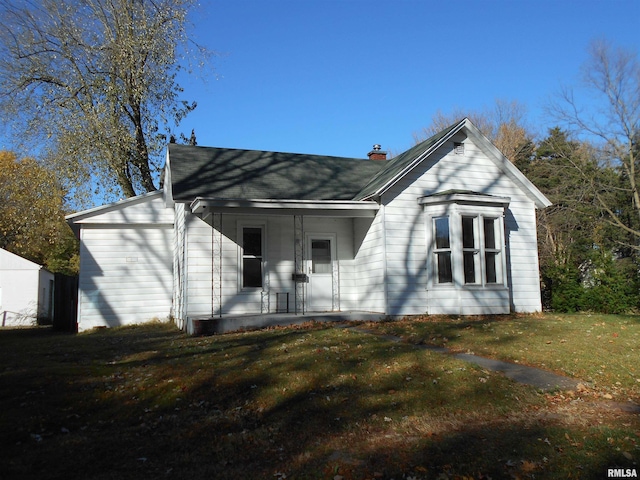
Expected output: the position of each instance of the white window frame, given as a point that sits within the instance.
(241, 256)
(498, 250)
(438, 251)
(478, 208)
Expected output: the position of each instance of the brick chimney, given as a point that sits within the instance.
(377, 154)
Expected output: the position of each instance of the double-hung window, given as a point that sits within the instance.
(481, 249)
(252, 256)
(470, 249)
(442, 250)
(492, 250)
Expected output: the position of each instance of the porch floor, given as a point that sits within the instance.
(203, 325)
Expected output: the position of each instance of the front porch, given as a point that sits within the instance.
(228, 323)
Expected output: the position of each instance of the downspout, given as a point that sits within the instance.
(220, 263)
(384, 253)
(185, 271)
(216, 263)
(213, 266)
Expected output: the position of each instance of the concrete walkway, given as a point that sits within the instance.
(541, 379)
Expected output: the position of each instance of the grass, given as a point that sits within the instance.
(315, 401)
(602, 350)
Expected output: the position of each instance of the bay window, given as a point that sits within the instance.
(467, 241)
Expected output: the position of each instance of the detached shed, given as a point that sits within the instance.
(26, 291)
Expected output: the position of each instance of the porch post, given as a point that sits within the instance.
(298, 285)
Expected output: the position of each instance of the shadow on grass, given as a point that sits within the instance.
(315, 402)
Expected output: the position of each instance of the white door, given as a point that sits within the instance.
(320, 265)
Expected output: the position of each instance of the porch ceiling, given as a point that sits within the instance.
(312, 208)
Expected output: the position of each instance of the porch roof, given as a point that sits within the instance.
(319, 208)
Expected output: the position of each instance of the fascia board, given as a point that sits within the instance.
(464, 198)
(286, 207)
(84, 215)
(382, 190)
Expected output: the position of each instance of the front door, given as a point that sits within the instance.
(320, 265)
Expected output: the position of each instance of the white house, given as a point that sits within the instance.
(447, 227)
(26, 291)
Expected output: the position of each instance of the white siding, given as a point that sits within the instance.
(406, 236)
(126, 262)
(370, 263)
(469, 301)
(125, 275)
(525, 273)
(144, 209)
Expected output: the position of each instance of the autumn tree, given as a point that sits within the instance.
(603, 111)
(32, 222)
(97, 81)
(504, 124)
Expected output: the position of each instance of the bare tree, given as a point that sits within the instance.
(604, 111)
(96, 80)
(504, 125)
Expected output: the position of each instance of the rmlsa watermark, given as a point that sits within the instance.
(622, 473)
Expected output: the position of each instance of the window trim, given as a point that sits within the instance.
(498, 250)
(241, 256)
(437, 251)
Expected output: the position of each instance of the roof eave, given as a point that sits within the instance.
(79, 216)
(465, 198)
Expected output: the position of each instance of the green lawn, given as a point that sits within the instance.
(317, 401)
(602, 350)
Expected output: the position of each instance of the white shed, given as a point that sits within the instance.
(26, 291)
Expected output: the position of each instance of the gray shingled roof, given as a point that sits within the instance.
(402, 162)
(223, 173)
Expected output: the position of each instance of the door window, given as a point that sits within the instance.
(321, 256)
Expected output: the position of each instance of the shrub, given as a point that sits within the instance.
(601, 284)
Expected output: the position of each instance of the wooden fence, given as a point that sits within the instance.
(65, 303)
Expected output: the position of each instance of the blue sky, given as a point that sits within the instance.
(333, 77)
